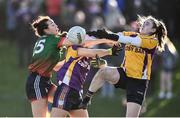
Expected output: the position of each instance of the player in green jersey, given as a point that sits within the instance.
(46, 55)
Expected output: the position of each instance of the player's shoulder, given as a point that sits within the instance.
(50, 36)
(53, 36)
(151, 37)
(75, 47)
(129, 33)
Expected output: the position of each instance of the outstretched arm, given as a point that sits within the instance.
(121, 37)
(148, 42)
(100, 52)
(136, 41)
(93, 52)
(90, 42)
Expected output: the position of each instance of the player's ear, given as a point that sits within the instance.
(153, 30)
(46, 31)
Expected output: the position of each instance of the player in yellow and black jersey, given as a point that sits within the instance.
(138, 59)
(134, 73)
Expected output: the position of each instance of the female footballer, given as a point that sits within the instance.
(39, 88)
(71, 78)
(134, 73)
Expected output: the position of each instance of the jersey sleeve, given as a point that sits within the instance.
(148, 43)
(144, 41)
(131, 34)
(60, 42)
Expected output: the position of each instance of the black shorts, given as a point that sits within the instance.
(67, 98)
(37, 87)
(135, 88)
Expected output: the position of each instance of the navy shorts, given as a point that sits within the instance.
(37, 87)
(135, 88)
(67, 98)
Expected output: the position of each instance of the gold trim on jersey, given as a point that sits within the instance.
(71, 53)
(68, 74)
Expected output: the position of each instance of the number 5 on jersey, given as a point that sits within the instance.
(39, 46)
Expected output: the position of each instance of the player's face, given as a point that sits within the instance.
(52, 27)
(147, 28)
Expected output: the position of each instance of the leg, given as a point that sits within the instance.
(39, 108)
(162, 85)
(37, 94)
(133, 109)
(169, 81)
(143, 107)
(136, 91)
(169, 85)
(51, 93)
(79, 113)
(57, 112)
(109, 74)
(50, 98)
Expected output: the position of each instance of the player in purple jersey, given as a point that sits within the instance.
(71, 78)
(39, 88)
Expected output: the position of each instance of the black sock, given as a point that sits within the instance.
(88, 96)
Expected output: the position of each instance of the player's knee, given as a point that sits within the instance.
(102, 72)
(110, 75)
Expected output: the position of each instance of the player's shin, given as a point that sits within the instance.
(97, 82)
(95, 85)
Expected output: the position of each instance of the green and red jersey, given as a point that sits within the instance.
(47, 52)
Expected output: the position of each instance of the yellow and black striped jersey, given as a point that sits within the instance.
(138, 60)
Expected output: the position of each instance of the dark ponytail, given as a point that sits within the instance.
(35, 25)
(40, 24)
(161, 33)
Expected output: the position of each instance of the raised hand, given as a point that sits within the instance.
(116, 49)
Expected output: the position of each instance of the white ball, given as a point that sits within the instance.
(76, 35)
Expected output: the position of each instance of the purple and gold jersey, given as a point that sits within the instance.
(46, 54)
(73, 73)
(138, 60)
